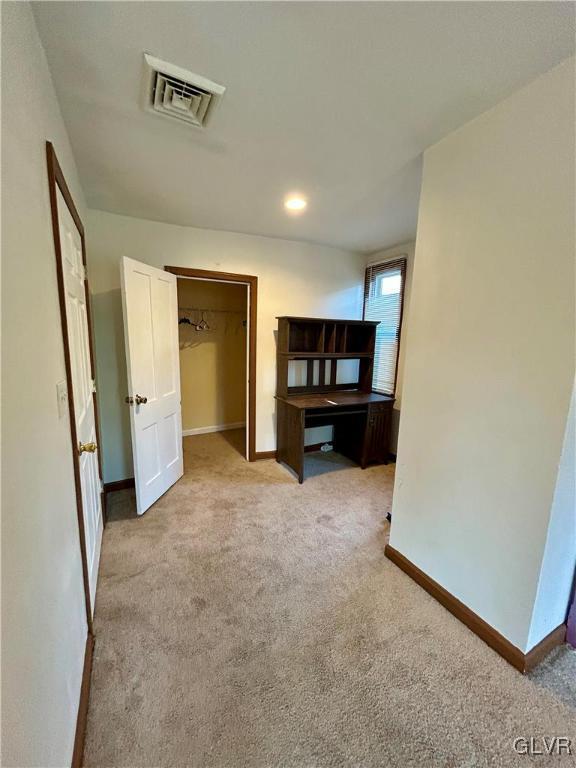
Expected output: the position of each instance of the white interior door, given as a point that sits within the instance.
(150, 306)
(82, 388)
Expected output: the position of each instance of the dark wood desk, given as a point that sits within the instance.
(361, 423)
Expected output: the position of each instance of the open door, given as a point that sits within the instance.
(73, 291)
(150, 307)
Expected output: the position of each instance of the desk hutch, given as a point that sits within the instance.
(361, 418)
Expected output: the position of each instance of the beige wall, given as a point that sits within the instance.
(43, 615)
(390, 254)
(213, 363)
(293, 278)
(490, 356)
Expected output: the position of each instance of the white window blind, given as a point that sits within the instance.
(383, 297)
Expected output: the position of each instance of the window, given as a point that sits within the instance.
(383, 298)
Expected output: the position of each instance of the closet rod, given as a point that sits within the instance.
(223, 311)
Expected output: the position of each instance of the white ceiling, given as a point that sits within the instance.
(335, 100)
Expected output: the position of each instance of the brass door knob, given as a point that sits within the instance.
(86, 448)
(140, 400)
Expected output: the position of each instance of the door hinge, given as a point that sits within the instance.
(82, 272)
(94, 386)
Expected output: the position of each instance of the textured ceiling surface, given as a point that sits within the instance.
(334, 100)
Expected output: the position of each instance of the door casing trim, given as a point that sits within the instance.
(56, 181)
(252, 282)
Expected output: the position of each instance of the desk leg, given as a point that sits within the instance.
(290, 437)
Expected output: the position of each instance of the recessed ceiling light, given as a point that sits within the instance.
(295, 203)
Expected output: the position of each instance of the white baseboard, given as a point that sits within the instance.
(216, 428)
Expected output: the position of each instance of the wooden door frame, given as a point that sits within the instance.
(252, 282)
(56, 181)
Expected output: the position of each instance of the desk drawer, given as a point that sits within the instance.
(335, 416)
(343, 410)
(377, 439)
(380, 407)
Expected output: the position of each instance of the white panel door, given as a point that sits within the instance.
(82, 388)
(150, 308)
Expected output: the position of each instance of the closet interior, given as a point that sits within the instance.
(212, 334)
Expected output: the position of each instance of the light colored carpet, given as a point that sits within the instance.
(249, 622)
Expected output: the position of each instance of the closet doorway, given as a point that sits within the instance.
(217, 349)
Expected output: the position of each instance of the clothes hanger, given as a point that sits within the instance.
(202, 325)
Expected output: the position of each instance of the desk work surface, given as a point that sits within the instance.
(334, 399)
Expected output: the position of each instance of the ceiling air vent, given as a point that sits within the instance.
(181, 95)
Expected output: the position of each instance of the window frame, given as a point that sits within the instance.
(398, 262)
